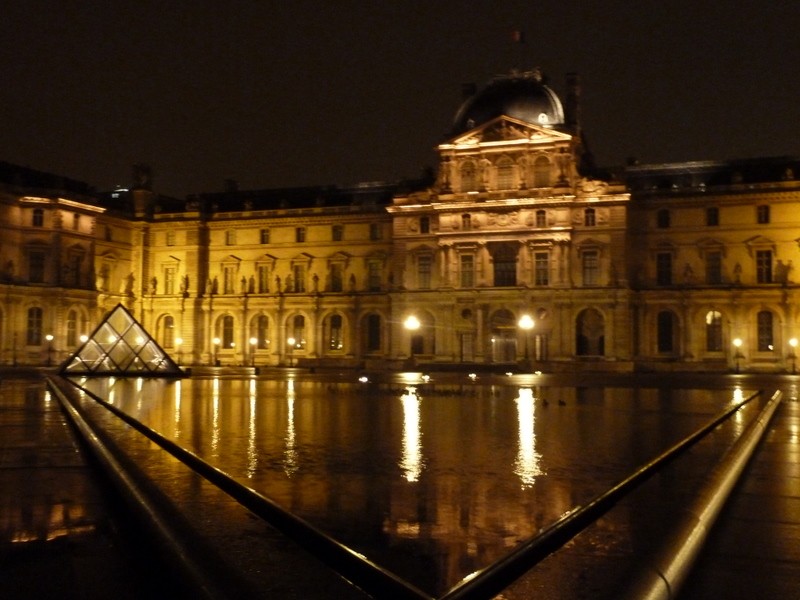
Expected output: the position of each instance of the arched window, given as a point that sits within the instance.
(261, 332)
(373, 333)
(227, 332)
(34, 331)
(335, 333)
(714, 331)
(590, 333)
(505, 174)
(468, 177)
(298, 331)
(541, 172)
(168, 333)
(766, 341)
(72, 328)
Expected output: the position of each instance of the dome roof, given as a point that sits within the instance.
(523, 96)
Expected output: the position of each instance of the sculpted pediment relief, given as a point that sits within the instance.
(504, 129)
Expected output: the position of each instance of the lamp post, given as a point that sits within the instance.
(49, 338)
(253, 342)
(412, 324)
(215, 341)
(526, 324)
(178, 342)
(793, 354)
(737, 342)
(291, 342)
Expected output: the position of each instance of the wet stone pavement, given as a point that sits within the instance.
(59, 534)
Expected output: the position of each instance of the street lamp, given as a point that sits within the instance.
(178, 342)
(215, 341)
(49, 338)
(793, 354)
(737, 342)
(291, 342)
(412, 324)
(253, 342)
(526, 324)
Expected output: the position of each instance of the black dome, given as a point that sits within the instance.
(521, 96)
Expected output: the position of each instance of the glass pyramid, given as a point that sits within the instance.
(121, 347)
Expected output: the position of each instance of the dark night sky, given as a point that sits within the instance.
(306, 92)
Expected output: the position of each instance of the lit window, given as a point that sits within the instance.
(335, 333)
(714, 331)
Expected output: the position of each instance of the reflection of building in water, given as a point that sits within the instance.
(651, 266)
(411, 460)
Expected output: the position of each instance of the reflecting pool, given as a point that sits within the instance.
(430, 479)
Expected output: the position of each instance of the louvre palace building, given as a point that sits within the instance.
(516, 253)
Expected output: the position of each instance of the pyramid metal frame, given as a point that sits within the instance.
(120, 347)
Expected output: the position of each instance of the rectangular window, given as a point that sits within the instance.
(424, 225)
(541, 218)
(591, 267)
(36, 266)
(467, 271)
(38, 217)
(712, 216)
(762, 214)
(764, 266)
(229, 280)
(466, 222)
(424, 272)
(34, 331)
(337, 277)
(373, 333)
(76, 221)
(374, 276)
(541, 268)
(664, 268)
(714, 267)
(262, 273)
(299, 282)
(230, 237)
(375, 231)
(264, 236)
(589, 217)
(663, 218)
(337, 233)
(169, 280)
(300, 234)
(170, 237)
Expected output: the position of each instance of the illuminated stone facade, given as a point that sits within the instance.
(518, 253)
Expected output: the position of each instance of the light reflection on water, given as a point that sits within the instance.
(430, 481)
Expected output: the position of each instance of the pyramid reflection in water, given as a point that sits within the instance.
(120, 346)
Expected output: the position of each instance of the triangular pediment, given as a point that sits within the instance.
(507, 129)
(121, 347)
